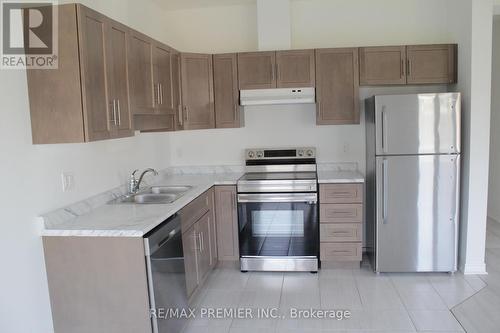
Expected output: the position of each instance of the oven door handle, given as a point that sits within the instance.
(278, 197)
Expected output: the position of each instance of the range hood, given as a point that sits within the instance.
(278, 96)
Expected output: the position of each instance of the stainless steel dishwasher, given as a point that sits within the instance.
(166, 275)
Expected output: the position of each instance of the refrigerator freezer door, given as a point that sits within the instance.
(417, 124)
(417, 213)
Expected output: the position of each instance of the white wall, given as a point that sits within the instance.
(339, 23)
(471, 27)
(212, 29)
(31, 184)
(494, 191)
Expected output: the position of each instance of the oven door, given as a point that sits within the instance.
(278, 225)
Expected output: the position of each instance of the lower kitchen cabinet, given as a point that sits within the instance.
(97, 284)
(227, 223)
(189, 245)
(337, 86)
(198, 240)
(341, 223)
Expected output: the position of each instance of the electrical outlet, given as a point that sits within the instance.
(346, 147)
(68, 181)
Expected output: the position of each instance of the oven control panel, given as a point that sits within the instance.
(262, 153)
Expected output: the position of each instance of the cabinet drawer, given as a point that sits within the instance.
(340, 251)
(340, 232)
(341, 213)
(341, 193)
(195, 210)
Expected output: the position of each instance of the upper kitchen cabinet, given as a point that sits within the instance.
(280, 69)
(86, 98)
(141, 73)
(197, 91)
(295, 68)
(150, 83)
(432, 64)
(337, 86)
(382, 65)
(257, 70)
(226, 95)
(400, 65)
(162, 78)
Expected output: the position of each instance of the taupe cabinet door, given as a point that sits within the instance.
(97, 284)
(98, 113)
(295, 68)
(162, 78)
(117, 78)
(226, 94)
(227, 223)
(337, 86)
(203, 231)
(104, 75)
(150, 81)
(141, 74)
(382, 65)
(189, 245)
(197, 91)
(257, 70)
(432, 64)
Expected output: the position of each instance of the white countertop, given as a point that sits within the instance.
(339, 177)
(135, 220)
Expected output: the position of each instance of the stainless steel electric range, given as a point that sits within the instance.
(278, 210)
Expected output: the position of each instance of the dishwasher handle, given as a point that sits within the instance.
(171, 235)
(163, 234)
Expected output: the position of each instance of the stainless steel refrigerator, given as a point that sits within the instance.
(413, 182)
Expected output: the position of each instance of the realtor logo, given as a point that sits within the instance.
(29, 34)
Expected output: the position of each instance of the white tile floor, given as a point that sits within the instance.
(383, 303)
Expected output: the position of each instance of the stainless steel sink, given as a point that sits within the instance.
(154, 195)
(170, 189)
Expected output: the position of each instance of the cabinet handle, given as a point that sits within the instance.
(112, 113)
(200, 241)
(155, 92)
(273, 70)
(161, 93)
(181, 119)
(119, 112)
(158, 87)
(402, 68)
(409, 67)
(186, 115)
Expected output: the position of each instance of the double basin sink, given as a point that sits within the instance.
(154, 195)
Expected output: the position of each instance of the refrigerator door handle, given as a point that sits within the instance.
(384, 191)
(384, 130)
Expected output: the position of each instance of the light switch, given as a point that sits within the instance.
(68, 181)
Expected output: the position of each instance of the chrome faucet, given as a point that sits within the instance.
(134, 184)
